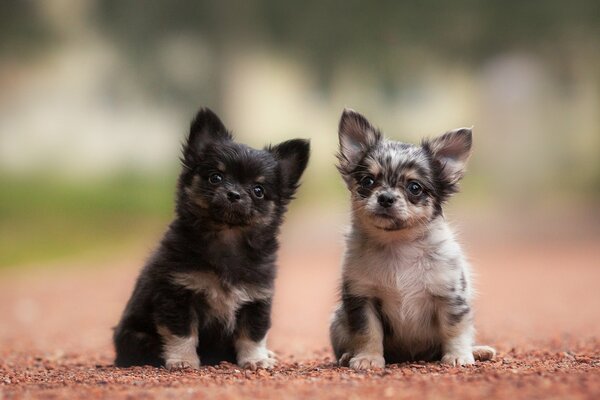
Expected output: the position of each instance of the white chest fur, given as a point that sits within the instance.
(408, 278)
(223, 301)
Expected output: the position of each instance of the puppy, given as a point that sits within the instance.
(205, 294)
(406, 288)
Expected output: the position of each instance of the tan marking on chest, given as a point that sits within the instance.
(224, 301)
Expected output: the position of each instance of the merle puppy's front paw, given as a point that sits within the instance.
(253, 364)
(367, 361)
(458, 359)
(175, 364)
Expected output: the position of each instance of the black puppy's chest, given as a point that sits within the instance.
(237, 259)
(217, 301)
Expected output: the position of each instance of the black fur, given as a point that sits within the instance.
(458, 309)
(354, 307)
(199, 240)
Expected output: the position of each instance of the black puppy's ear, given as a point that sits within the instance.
(357, 136)
(450, 153)
(292, 156)
(206, 128)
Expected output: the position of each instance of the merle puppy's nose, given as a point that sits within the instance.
(385, 200)
(233, 196)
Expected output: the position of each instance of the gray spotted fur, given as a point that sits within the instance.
(406, 284)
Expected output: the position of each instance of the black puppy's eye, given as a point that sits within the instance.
(414, 188)
(258, 191)
(215, 178)
(367, 182)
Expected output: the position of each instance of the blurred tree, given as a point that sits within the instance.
(380, 37)
(22, 29)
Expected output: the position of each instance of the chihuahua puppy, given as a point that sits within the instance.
(205, 294)
(406, 288)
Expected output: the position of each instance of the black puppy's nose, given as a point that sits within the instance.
(233, 196)
(385, 200)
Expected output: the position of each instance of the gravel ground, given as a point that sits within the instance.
(534, 374)
(538, 305)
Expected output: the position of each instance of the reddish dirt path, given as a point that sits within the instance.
(539, 305)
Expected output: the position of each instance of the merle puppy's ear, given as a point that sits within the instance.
(450, 153)
(206, 128)
(292, 156)
(357, 136)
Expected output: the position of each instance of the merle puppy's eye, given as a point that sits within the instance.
(414, 188)
(258, 191)
(367, 182)
(215, 178)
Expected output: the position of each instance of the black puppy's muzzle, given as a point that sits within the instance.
(233, 196)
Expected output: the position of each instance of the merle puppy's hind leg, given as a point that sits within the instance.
(253, 323)
(177, 325)
(483, 353)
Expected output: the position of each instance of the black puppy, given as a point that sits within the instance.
(205, 294)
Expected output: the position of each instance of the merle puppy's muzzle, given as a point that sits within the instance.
(386, 199)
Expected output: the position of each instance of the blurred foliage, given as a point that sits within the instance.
(46, 218)
(381, 37)
(388, 42)
(356, 30)
(43, 219)
(22, 29)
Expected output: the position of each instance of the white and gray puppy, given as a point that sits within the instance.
(406, 288)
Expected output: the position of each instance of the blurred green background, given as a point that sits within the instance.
(96, 96)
